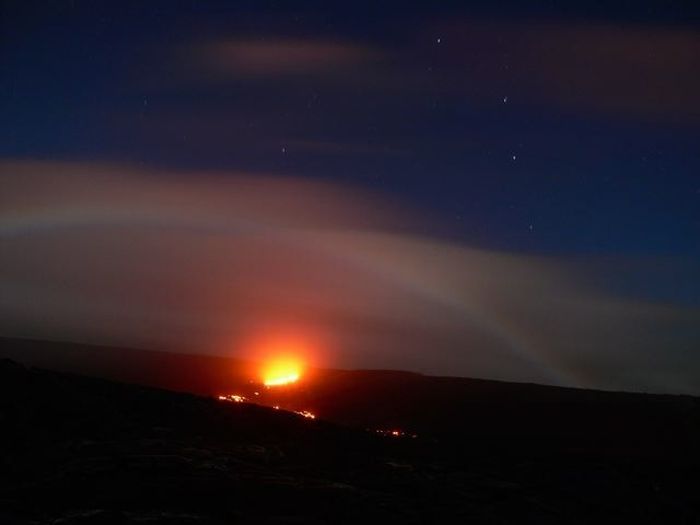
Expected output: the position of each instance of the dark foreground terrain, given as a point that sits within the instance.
(79, 450)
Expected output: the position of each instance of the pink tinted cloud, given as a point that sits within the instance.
(649, 72)
(281, 57)
(200, 261)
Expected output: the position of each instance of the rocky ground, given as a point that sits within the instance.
(77, 450)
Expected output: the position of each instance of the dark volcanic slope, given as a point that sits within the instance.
(89, 450)
(492, 413)
(198, 374)
(81, 451)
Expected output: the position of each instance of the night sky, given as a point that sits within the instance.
(474, 189)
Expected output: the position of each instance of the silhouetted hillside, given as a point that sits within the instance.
(77, 450)
(496, 413)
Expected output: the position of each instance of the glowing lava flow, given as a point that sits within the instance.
(233, 398)
(396, 433)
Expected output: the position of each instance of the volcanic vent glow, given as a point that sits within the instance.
(281, 371)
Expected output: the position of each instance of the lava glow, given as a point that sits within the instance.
(395, 433)
(281, 371)
(236, 398)
(233, 398)
(281, 379)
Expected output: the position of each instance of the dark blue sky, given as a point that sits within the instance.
(483, 189)
(545, 129)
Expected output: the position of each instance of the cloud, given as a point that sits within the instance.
(642, 72)
(330, 147)
(281, 57)
(203, 261)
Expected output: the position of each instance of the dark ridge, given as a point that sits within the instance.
(447, 409)
(82, 450)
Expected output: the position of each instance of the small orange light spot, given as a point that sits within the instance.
(394, 433)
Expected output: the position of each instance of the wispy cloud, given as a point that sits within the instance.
(647, 72)
(109, 254)
(280, 57)
(638, 72)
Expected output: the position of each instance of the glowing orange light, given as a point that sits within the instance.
(281, 371)
(395, 433)
(306, 414)
(233, 398)
(281, 355)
